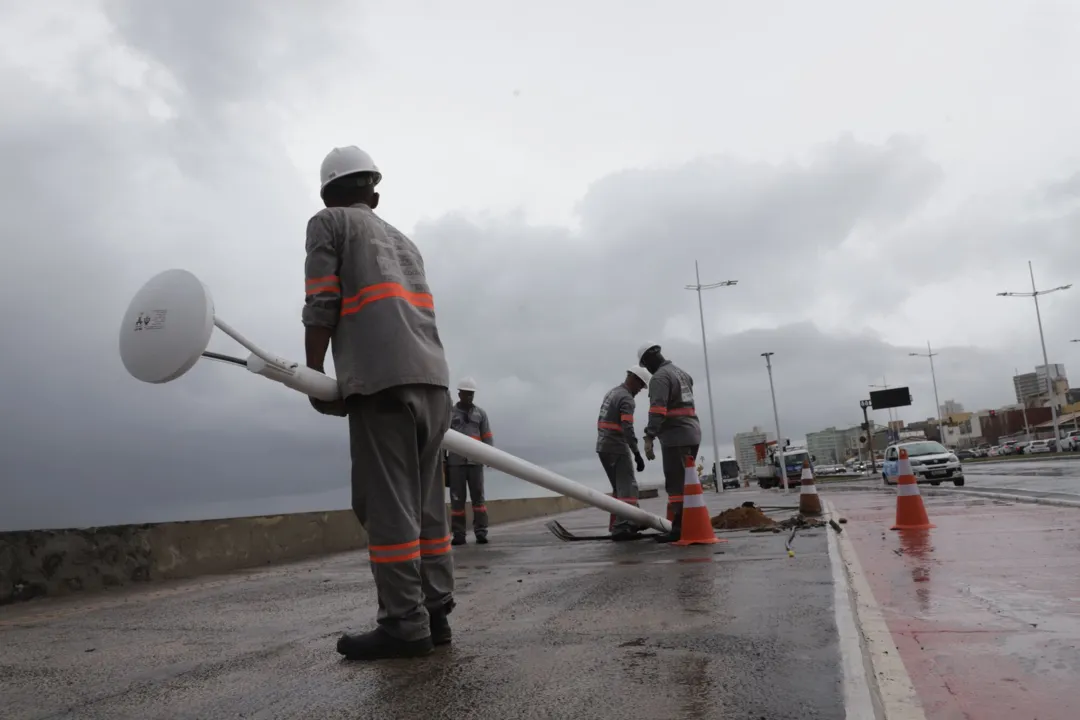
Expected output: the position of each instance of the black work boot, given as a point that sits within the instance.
(458, 540)
(440, 624)
(482, 539)
(379, 645)
(673, 536)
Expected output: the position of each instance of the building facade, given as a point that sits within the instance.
(744, 448)
(828, 446)
(950, 407)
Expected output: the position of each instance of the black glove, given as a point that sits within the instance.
(335, 408)
(640, 462)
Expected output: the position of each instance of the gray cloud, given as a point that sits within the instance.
(98, 194)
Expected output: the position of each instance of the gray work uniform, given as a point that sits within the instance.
(673, 420)
(616, 444)
(365, 281)
(465, 474)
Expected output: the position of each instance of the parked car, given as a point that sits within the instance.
(967, 454)
(1071, 441)
(931, 462)
(1039, 446)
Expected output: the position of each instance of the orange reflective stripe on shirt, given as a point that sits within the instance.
(439, 546)
(383, 291)
(327, 283)
(605, 425)
(402, 552)
(657, 410)
(487, 436)
(626, 418)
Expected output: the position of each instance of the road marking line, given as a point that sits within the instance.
(858, 703)
(891, 692)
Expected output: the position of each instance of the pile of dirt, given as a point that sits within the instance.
(743, 517)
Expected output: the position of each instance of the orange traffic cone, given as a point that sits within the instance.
(910, 511)
(809, 502)
(696, 528)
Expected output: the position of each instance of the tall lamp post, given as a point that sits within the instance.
(933, 377)
(1023, 408)
(776, 419)
(892, 418)
(697, 286)
(1034, 295)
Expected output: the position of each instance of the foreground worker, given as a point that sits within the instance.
(672, 419)
(367, 292)
(616, 443)
(463, 473)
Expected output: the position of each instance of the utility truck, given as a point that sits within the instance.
(774, 463)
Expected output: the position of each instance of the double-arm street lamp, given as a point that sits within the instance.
(1034, 295)
(697, 286)
(933, 377)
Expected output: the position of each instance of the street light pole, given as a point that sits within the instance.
(708, 379)
(1034, 294)
(776, 419)
(885, 386)
(1023, 409)
(933, 377)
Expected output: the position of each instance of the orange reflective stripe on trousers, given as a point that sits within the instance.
(438, 546)
(401, 552)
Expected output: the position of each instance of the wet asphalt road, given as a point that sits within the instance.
(544, 629)
(1037, 478)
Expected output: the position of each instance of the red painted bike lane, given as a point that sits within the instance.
(984, 609)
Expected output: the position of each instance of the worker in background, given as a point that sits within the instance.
(673, 419)
(700, 467)
(367, 294)
(616, 444)
(468, 419)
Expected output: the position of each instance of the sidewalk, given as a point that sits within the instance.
(984, 609)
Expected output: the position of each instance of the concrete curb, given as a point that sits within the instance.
(891, 693)
(39, 563)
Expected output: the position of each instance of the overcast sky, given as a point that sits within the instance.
(871, 177)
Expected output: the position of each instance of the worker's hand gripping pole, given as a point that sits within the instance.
(167, 329)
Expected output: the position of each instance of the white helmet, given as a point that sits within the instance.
(342, 161)
(642, 374)
(644, 349)
(467, 384)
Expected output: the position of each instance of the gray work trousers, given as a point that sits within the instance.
(471, 478)
(620, 473)
(397, 494)
(674, 463)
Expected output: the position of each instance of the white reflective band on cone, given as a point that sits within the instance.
(809, 490)
(911, 489)
(693, 501)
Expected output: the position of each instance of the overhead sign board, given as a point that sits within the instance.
(893, 397)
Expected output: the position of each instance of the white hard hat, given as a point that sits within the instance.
(641, 373)
(342, 161)
(467, 384)
(644, 349)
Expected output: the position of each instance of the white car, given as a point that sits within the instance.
(931, 462)
(1038, 446)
